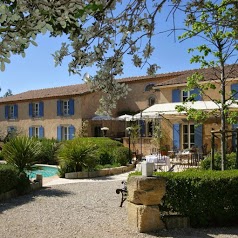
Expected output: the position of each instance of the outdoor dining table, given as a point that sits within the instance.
(158, 160)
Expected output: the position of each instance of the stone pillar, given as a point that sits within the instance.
(147, 169)
(39, 178)
(144, 196)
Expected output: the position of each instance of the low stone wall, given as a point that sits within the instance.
(100, 173)
(37, 184)
(8, 195)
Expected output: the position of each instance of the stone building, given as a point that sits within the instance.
(60, 112)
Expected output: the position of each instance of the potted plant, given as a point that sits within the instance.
(160, 139)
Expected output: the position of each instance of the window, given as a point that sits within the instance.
(185, 95)
(36, 131)
(11, 129)
(65, 132)
(36, 109)
(65, 107)
(188, 136)
(149, 87)
(151, 101)
(182, 95)
(150, 128)
(11, 111)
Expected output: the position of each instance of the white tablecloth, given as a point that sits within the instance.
(161, 160)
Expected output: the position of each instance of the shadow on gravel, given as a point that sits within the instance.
(223, 232)
(20, 200)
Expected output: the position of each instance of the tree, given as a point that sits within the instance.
(8, 93)
(22, 152)
(209, 21)
(99, 33)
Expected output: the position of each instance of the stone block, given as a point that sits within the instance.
(144, 218)
(147, 169)
(145, 190)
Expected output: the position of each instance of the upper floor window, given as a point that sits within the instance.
(65, 107)
(36, 109)
(179, 95)
(11, 111)
(151, 101)
(185, 95)
(65, 132)
(149, 87)
(234, 91)
(36, 131)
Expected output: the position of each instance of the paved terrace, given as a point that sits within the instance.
(86, 208)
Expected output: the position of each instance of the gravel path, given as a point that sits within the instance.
(88, 209)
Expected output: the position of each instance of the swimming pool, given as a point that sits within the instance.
(44, 170)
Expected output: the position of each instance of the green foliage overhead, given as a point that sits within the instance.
(215, 23)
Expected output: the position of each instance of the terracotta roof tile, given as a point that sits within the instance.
(209, 74)
(77, 89)
(178, 77)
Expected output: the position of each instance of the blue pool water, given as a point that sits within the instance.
(45, 171)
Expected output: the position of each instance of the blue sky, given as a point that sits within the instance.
(37, 70)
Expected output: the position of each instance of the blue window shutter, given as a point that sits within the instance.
(142, 127)
(234, 126)
(198, 136)
(41, 132)
(196, 91)
(176, 95)
(176, 136)
(59, 108)
(71, 106)
(15, 111)
(234, 88)
(59, 133)
(30, 131)
(30, 109)
(6, 112)
(71, 132)
(41, 109)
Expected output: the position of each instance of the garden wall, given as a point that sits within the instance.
(100, 173)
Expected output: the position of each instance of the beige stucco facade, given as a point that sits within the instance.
(140, 96)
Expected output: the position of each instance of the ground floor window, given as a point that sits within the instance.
(36, 131)
(65, 132)
(188, 135)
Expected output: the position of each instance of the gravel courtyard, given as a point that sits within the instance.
(87, 209)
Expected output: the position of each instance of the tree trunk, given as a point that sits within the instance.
(223, 120)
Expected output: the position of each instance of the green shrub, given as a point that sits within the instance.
(8, 178)
(23, 184)
(22, 152)
(75, 154)
(105, 156)
(230, 162)
(121, 155)
(208, 198)
(86, 153)
(49, 148)
(1, 156)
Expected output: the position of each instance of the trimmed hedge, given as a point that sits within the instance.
(8, 178)
(208, 198)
